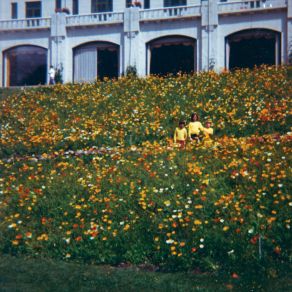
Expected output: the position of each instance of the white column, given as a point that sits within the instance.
(227, 55)
(204, 48)
(58, 49)
(21, 9)
(131, 38)
(48, 8)
(277, 51)
(119, 5)
(5, 10)
(209, 22)
(84, 7)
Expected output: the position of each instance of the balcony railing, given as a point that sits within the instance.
(96, 18)
(30, 23)
(170, 12)
(250, 5)
(178, 12)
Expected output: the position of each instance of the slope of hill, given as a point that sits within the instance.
(89, 172)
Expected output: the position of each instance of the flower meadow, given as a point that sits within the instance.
(88, 172)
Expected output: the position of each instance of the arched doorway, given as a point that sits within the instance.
(171, 54)
(96, 59)
(25, 65)
(253, 47)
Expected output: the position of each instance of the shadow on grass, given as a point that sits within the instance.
(24, 274)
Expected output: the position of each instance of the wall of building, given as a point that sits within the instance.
(210, 35)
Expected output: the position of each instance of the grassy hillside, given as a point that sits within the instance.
(89, 173)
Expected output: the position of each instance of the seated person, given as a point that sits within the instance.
(208, 133)
(180, 135)
(195, 128)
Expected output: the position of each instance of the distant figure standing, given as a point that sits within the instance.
(52, 74)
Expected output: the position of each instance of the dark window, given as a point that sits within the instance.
(14, 11)
(101, 6)
(108, 63)
(146, 4)
(33, 9)
(128, 3)
(170, 3)
(75, 7)
(58, 4)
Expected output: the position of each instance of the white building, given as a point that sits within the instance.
(90, 38)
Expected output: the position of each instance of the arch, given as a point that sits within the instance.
(252, 47)
(171, 54)
(25, 65)
(95, 59)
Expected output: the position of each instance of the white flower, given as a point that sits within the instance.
(122, 223)
(230, 252)
(202, 240)
(221, 220)
(201, 245)
(251, 230)
(169, 241)
(280, 185)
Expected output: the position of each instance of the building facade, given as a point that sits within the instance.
(86, 39)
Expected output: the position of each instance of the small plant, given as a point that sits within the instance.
(59, 74)
(62, 10)
(137, 4)
(131, 71)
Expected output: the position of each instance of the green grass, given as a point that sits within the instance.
(25, 274)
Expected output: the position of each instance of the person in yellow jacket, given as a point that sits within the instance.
(181, 135)
(195, 128)
(208, 133)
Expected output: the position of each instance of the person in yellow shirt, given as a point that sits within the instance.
(208, 133)
(180, 135)
(195, 128)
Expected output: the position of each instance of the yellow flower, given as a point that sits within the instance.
(197, 222)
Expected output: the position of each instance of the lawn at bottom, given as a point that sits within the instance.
(26, 274)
